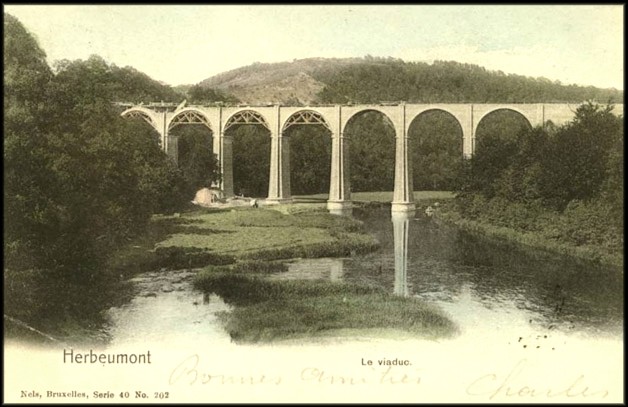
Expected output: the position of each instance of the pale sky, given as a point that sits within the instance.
(185, 44)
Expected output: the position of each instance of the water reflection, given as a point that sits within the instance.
(486, 285)
(401, 229)
(313, 269)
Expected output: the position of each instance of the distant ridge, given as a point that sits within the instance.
(372, 79)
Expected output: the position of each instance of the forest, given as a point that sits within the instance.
(79, 180)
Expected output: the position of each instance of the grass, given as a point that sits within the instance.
(532, 239)
(216, 237)
(275, 310)
(268, 233)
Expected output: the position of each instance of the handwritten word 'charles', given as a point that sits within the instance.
(513, 385)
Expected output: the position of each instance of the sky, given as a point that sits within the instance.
(574, 44)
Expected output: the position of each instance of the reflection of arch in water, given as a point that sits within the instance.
(401, 230)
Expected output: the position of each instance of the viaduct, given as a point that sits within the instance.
(277, 119)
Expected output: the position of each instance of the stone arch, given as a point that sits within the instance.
(150, 117)
(352, 116)
(141, 112)
(246, 116)
(247, 152)
(514, 121)
(435, 109)
(190, 141)
(499, 109)
(305, 116)
(189, 116)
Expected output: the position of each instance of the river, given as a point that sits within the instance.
(538, 323)
(485, 286)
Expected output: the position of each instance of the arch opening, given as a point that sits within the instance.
(143, 126)
(500, 124)
(371, 137)
(310, 152)
(195, 155)
(245, 117)
(435, 150)
(310, 159)
(188, 117)
(495, 145)
(247, 134)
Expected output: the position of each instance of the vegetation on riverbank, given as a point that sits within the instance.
(268, 310)
(559, 188)
(241, 247)
(563, 233)
(204, 237)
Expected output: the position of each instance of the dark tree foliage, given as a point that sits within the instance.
(371, 152)
(386, 79)
(196, 160)
(79, 179)
(310, 159)
(201, 94)
(565, 183)
(119, 84)
(435, 151)
(251, 160)
(552, 166)
(582, 156)
(496, 144)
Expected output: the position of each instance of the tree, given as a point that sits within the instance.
(577, 163)
(79, 178)
(197, 162)
(435, 151)
(26, 76)
(202, 94)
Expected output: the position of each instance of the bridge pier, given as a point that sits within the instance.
(225, 159)
(172, 148)
(279, 183)
(339, 202)
(403, 197)
(401, 230)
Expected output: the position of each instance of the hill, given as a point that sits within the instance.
(283, 82)
(370, 80)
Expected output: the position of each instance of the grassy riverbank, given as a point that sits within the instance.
(562, 233)
(239, 248)
(214, 237)
(268, 310)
